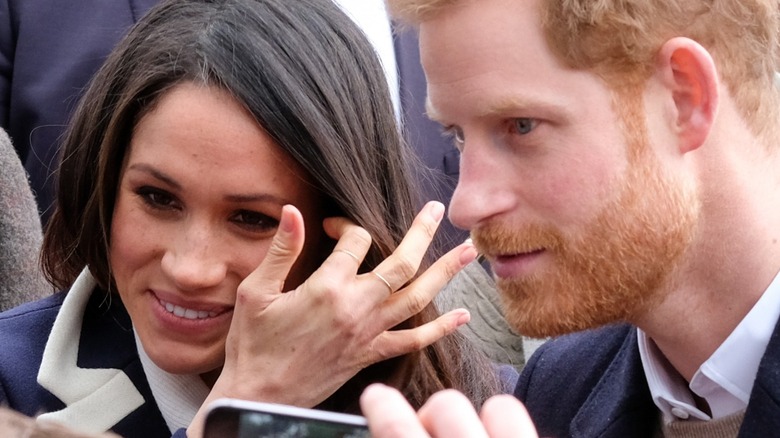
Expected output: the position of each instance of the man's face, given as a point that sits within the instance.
(568, 199)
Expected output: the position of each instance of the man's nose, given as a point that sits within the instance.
(482, 191)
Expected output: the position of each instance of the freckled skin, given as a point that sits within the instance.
(200, 194)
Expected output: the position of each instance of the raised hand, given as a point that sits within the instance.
(300, 346)
(447, 413)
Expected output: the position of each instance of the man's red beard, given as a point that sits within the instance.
(613, 269)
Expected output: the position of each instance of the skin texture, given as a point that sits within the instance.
(185, 232)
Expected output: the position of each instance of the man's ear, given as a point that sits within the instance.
(689, 72)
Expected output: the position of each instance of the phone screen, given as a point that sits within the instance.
(277, 421)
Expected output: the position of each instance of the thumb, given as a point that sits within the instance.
(285, 248)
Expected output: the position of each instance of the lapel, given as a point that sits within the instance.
(762, 417)
(620, 404)
(86, 392)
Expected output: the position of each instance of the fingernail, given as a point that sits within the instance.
(463, 317)
(374, 390)
(376, 387)
(286, 223)
(468, 255)
(437, 210)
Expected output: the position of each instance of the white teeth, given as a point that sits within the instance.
(182, 312)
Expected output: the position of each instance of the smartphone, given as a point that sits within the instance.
(233, 418)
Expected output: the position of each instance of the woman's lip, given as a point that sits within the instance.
(173, 304)
(194, 319)
(514, 265)
(188, 313)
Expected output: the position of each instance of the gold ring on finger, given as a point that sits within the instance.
(383, 280)
(349, 253)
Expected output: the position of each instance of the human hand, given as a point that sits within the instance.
(299, 347)
(447, 413)
(14, 424)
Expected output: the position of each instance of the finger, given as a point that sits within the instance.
(414, 297)
(505, 417)
(402, 265)
(392, 343)
(449, 413)
(389, 415)
(285, 247)
(352, 241)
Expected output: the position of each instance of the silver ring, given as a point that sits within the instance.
(349, 253)
(384, 280)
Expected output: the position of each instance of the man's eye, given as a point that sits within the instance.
(524, 125)
(254, 221)
(456, 134)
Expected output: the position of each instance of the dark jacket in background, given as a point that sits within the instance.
(49, 50)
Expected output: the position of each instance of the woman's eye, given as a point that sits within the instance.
(156, 198)
(456, 134)
(524, 125)
(254, 221)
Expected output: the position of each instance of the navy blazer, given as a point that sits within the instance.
(49, 50)
(106, 342)
(592, 384)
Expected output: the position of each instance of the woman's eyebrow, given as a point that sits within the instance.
(256, 197)
(155, 173)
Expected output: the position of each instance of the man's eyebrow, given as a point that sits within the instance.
(504, 105)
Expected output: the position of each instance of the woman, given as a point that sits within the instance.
(212, 133)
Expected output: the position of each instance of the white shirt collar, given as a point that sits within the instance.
(178, 396)
(725, 380)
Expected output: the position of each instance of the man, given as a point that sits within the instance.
(619, 169)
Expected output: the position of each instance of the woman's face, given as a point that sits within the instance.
(199, 199)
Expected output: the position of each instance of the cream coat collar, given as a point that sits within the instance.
(95, 399)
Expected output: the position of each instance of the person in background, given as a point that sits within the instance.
(211, 135)
(21, 279)
(619, 169)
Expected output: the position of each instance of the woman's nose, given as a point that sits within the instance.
(193, 260)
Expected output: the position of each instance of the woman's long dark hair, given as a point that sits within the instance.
(312, 80)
